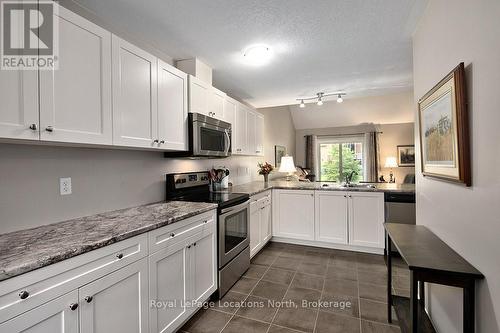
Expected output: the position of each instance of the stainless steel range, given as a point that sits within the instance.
(233, 223)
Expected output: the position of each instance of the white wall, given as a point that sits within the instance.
(465, 218)
(279, 130)
(384, 109)
(392, 136)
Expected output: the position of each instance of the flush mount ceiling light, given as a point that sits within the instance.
(319, 97)
(257, 55)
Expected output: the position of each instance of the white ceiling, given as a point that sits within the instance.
(358, 46)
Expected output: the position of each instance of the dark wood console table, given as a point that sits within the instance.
(429, 260)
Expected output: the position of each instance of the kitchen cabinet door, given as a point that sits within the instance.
(119, 301)
(366, 218)
(168, 281)
(75, 99)
(203, 251)
(172, 108)
(259, 134)
(331, 217)
(199, 95)
(255, 227)
(135, 113)
(230, 106)
(293, 214)
(216, 103)
(57, 316)
(240, 131)
(251, 132)
(265, 223)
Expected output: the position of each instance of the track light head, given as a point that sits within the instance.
(339, 98)
(302, 104)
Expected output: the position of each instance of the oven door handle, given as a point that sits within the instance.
(228, 143)
(236, 208)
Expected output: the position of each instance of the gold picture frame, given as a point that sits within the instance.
(444, 130)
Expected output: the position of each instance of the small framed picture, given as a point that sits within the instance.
(279, 152)
(406, 156)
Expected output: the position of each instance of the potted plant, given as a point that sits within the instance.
(265, 169)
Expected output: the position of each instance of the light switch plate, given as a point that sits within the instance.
(65, 186)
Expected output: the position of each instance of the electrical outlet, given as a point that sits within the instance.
(65, 186)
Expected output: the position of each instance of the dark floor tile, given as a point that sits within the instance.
(345, 305)
(298, 319)
(312, 268)
(402, 292)
(401, 282)
(302, 280)
(341, 287)
(302, 297)
(257, 308)
(279, 329)
(370, 258)
(278, 275)
(256, 271)
(343, 262)
(373, 292)
(336, 272)
(375, 311)
(332, 323)
(372, 327)
(239, 325)
(244, 285)
(206, 321)
(375, 266)
(285, 263)
(272, 252)
(373, 277)
(230, 302)
(270, 290)
(317, 257)
(263, 259)
(298, 256)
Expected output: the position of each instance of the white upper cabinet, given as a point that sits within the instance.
(75, 99)
(199, 95)
(230, 106)
(331, 217)
(216, 103)
(366, 219)
(135, 113)
(240, 131)
(172, 107)
(259, 135)
(251, 133)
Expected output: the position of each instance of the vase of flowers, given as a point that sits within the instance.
(265, 169)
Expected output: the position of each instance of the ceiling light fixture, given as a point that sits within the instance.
(257, 55)
(319, 97)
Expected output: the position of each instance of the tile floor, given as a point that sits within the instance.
(269, 297)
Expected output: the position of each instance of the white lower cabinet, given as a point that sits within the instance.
(117, 302)
(366, 219)
(255, 238)
(331, 217)
(260, 221)
(293, 214)
(56, 316)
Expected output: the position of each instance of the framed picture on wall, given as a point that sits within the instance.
(406, 156)
(279, 152)
(444, 130)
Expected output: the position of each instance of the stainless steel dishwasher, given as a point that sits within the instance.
(399, 208)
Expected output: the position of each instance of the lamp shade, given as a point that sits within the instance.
(287, 164)
(391, 162)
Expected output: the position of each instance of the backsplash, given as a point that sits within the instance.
(102, 180)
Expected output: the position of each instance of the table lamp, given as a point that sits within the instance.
(287, 166)
(391, 162)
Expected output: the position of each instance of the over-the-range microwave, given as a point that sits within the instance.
(208, 138)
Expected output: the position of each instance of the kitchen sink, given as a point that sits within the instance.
(358, 186)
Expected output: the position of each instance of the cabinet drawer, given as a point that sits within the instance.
(172, 234)
(47, 283)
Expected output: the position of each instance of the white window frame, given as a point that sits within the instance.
(337, 139)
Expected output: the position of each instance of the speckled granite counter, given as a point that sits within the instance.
(26, 250)
(259, 186)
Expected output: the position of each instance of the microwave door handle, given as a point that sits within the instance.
(228, 143)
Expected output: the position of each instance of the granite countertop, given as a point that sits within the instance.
(26, 250)
(259, 186)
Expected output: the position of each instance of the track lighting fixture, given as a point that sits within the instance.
(319, 97)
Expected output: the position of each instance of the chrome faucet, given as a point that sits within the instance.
(348, 177)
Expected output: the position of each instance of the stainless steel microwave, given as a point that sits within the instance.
(208, 137)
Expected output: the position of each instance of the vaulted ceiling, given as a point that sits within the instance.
(358, 46)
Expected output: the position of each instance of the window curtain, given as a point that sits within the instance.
(312, 154)
(372, 153)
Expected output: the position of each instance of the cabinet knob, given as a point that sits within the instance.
(119, 255)
(33, 127)
(49, 129)
(162, 141)
(206, 221)
(24, 294)
(345, 196)
(189, 246)
(73, 306)
(89, 299)
(172, 235)
(194, 244)
(155, 141)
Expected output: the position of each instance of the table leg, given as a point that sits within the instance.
(389, 280)
(413, 302)
(421, 292)
(469, 311)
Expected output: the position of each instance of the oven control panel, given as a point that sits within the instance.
(186, 180)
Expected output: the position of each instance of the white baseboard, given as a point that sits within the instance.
(370, 250)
